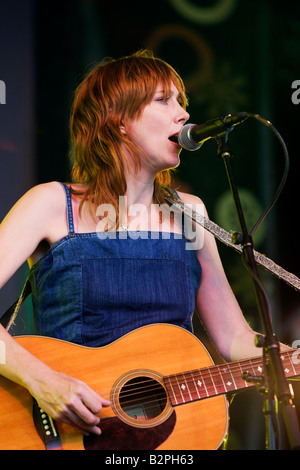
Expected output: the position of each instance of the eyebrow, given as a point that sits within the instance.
(171, 92)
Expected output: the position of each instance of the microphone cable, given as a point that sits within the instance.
(285, 172)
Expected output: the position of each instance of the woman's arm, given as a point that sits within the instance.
(64, 398)
(216, 304)
(41, 215)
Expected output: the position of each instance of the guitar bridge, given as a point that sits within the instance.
(45, 427)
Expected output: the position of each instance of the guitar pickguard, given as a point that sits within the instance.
(117, 435)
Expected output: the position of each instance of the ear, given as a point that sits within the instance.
(122, 129)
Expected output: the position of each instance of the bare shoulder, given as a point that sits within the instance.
(50, 194)
(42, 209)
(208, 248)
(47, 205)
(46, 200)
(192, 200)
(37, 201)
(40, 214)
(189, 198)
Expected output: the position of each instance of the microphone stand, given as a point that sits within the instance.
(275, 383)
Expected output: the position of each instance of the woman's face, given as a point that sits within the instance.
(160, 119)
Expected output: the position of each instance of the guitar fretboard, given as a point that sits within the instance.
(223, 378)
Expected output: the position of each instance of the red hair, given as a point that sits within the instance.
(112, 94)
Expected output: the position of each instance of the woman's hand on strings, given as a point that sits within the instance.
(70, 401)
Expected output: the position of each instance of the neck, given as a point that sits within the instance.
(138, 200)
(139, 190)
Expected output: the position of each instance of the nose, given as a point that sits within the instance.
(182, 115)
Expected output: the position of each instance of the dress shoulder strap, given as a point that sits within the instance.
(69, 208)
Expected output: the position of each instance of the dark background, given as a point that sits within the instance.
(234, 56)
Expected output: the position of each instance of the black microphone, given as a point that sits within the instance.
(192, 136)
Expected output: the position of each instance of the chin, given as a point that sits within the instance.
(176, 162)
(170, 166)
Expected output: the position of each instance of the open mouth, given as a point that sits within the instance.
(174, 138)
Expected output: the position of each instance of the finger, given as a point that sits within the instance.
(74, 422)
(93, 401)
(97, 405)
(83, 414)
(81, 417)
(105, 402)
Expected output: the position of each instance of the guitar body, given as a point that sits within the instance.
(150, 352)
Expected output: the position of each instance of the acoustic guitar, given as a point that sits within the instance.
(165, 390)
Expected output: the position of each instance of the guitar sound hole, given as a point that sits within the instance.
(142, 398)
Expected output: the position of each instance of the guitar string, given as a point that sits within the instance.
(205, 373)
(164, 400)
(210, 372)
(210, 389)
(153, 403)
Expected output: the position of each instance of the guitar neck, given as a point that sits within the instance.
(221, 379)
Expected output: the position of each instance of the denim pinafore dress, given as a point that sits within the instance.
(91, 289)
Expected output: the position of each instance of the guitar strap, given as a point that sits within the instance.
(226, 238)
(9, 316)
